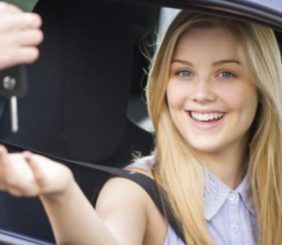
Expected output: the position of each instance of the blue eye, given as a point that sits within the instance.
(184, 73)
(226, 74)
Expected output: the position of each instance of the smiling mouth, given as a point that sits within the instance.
(206, 117)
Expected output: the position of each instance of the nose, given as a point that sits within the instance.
(203, 91)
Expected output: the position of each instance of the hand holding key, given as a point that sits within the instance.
(20, 35)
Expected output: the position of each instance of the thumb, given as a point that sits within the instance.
(36, 168)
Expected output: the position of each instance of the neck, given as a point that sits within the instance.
(229, 165)
(231, 173)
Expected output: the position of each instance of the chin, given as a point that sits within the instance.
(206, 146)
(207, 149)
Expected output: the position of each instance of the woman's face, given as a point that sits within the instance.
(210, 97)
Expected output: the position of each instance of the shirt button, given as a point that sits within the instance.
(232, 196)
(235, 229)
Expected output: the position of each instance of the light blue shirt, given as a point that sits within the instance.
(229, 214)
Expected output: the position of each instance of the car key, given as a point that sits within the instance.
(13, 84)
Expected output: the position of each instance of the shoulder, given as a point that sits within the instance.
(127, 208)
(123, 185)
(125, 189)
(121, 205)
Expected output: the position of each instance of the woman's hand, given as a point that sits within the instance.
(19, 36)
(27, 174)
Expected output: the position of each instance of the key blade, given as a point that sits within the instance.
(14, 114)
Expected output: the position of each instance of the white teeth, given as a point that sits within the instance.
(205, 117)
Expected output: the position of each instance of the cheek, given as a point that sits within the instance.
(251, 107)
(245, 100)
(176, 95)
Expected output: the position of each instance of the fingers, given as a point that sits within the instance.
(20, 35)
(2, 164)
(15, 175)
(24, 56)
(4, 161)
(36, 169)
(8, 182)
(31, 21)
(14, 18)
(32, 37)
(9, 8)
(52, 178)
(27, 174)
(20, 47)
(23, 21)
(19, 28)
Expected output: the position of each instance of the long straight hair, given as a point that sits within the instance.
(178, 170)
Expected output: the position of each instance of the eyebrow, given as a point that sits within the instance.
(220, 62)
(182, 61)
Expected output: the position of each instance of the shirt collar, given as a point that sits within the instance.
(243, 189)
(216, 193)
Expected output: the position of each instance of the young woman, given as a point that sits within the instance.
(214, 96)
(19, 36)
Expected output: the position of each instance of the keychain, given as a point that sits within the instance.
(13, 85)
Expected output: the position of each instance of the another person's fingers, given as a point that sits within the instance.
(28, 21)
(33, 20)
(9, 8)
(19, 36)
(29, 37)
(22, 21)
(26, 55)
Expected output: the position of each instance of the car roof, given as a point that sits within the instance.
(268, 12)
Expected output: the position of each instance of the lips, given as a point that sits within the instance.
(206, 116)
(209, 120)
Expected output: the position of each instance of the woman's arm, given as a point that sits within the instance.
(74, 220)
(121, 208)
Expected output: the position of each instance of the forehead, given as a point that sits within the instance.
(207, 41)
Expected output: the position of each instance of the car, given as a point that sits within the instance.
(76, 110)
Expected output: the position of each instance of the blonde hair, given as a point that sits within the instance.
(177, 169)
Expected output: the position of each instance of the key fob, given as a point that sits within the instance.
(13, 82)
